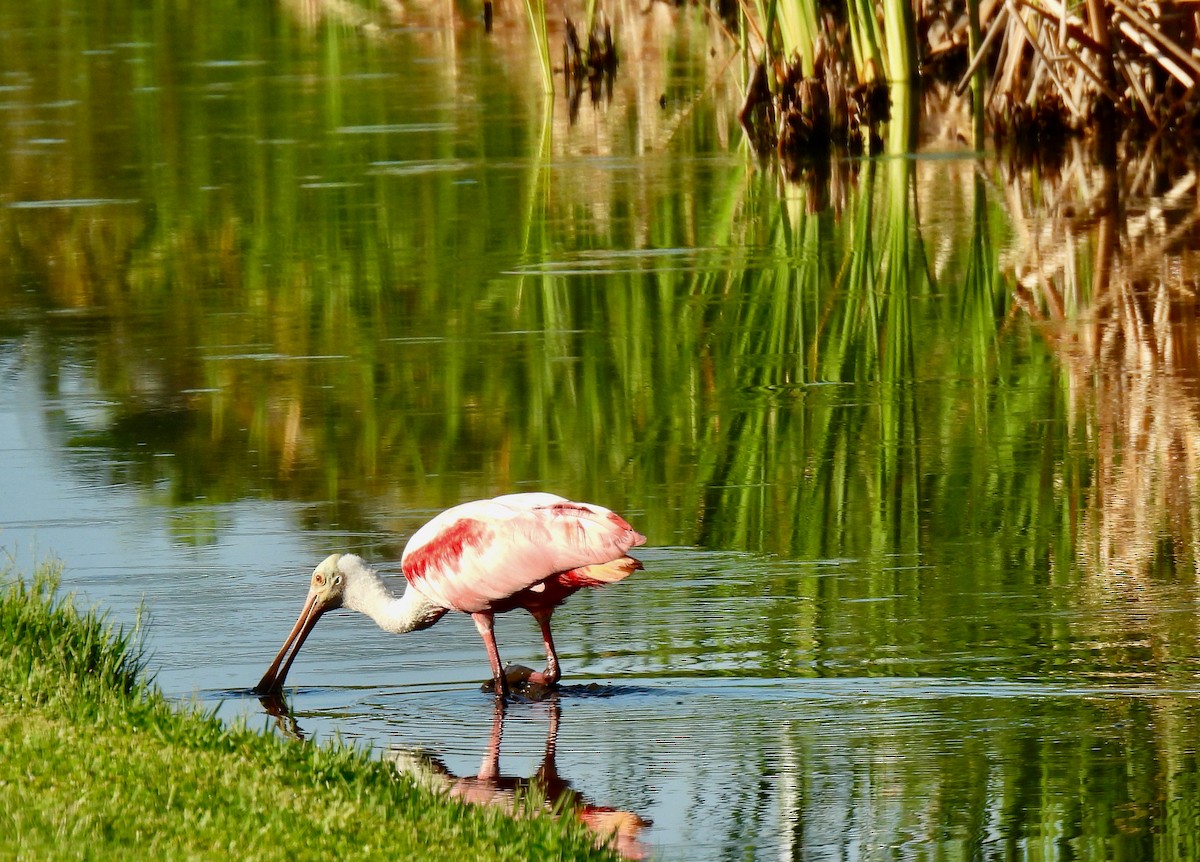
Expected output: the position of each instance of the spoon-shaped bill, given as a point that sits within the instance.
(272, 680)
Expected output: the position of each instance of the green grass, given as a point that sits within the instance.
(96, 764)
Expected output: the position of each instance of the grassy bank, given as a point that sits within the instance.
(95, 763)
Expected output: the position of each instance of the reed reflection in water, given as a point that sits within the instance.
(1110, 270)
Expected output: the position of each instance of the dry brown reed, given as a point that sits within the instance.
(1099, 67)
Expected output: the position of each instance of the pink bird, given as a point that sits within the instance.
(482, 558)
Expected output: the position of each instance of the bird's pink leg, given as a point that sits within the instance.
(485, 623)
(551, 674)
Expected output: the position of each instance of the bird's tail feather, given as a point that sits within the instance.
(606, 573)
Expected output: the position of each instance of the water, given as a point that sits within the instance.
(917, 472)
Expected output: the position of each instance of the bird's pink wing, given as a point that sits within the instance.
(477, 554)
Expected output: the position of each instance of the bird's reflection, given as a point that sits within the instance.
(616, 828)
(277, 707)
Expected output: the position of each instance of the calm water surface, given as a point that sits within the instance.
(914, 443)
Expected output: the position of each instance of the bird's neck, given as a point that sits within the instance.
(368, 594)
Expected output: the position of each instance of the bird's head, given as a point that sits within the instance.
(328, 584)
(326, 592)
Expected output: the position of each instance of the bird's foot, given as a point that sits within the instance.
(539, 686)
(524, 681)
(514, 674)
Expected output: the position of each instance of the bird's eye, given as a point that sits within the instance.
(319, 580)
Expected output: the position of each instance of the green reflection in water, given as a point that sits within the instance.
(263, 261)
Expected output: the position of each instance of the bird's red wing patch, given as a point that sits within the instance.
(619, 521)
(445, 549)
(578, 509)
(571, 508)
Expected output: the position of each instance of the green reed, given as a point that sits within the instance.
(799, 30)
(876, 44)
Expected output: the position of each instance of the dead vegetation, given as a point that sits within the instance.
(1040, 72)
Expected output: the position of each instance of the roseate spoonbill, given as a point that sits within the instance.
(482, 558)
